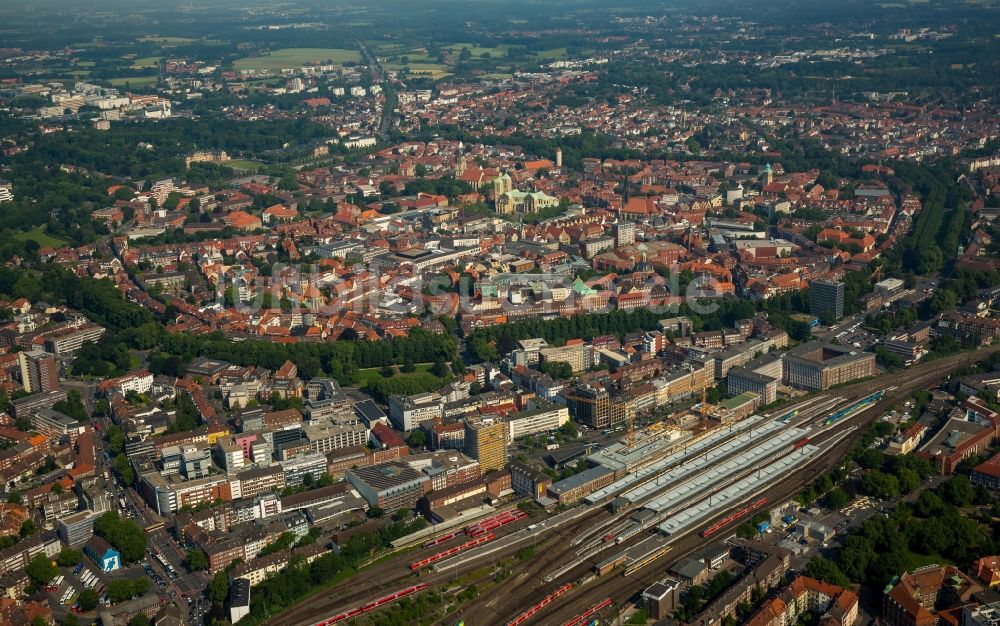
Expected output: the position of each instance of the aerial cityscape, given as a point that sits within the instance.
(664, 312)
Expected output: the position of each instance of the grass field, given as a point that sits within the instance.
(133, 81)
(296, 57)
(431, 70)
(555, 54)
(145, 62)
(242, 164)
(39, 235)
(365, 375)
(497, 52)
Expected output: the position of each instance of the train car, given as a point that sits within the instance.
(646, 560)
(787, 417)
(714, 528)
(863, 402)
(492, 523)
(585, 618)
(628, 534)
(434, 558)
(547, 600)
(800, 443)
(444, 538)
(374, 604)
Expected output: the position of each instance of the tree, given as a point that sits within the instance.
(124, 469)
(69, 557)
(958, 491)
(218, 587)
(197, 560)
(70, 620)
(837, 499)
(870, 459)
(880, 485)
(440, 369)
(87, 600)
(116, 439)
(126, 588)
(827, 571)
(417, 439)
(124, 535)
(27, 528)
(41, 570)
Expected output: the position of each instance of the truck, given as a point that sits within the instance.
(763, 527)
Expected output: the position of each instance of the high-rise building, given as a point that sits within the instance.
(39, 371)
(624, 234)
(486, 441)
(826, 296)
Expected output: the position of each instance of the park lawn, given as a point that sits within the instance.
(133, 81)
(242, 164)
(364, 375)
(38, 235)
(296, 57)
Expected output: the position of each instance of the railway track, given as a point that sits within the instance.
(622, 589)
(522, 589)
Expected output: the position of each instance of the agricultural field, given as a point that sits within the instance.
(166, 40)
(297, 57)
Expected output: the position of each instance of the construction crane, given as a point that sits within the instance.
(877, 274)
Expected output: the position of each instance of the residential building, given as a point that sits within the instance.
(834, 605)
(541, 417)
(39, 371)
(486, 441)
(918, 597)
(239, 599)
